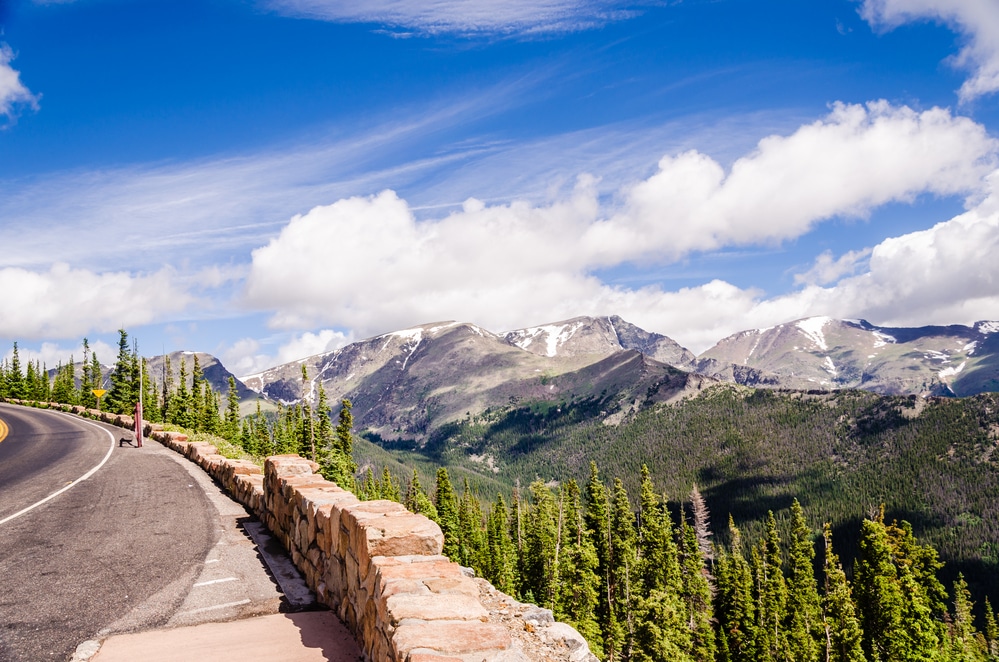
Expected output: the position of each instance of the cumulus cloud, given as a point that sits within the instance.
(976, 20)
(65, 302)
(946, 274)
(465, 16)
(846, 164)
(367, 263)
(247, 356)
(50, 354)
(13, 93)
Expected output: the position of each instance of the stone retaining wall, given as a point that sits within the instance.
(377, 565)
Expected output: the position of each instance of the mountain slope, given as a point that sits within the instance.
(824, 353)
(598, 335)
(407, 383)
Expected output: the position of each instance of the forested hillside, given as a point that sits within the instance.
(842, 455)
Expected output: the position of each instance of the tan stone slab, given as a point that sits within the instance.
(435, 607)
(303, 637)
(450, 637)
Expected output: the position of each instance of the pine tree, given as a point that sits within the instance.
(804, 622)
(230, 429)
(446, 502)
(895, 611)
(623, 562)
(166, 387)
(701, 525)
(696, 594)
(150, 403)
(336, 461)
(540, 573)
(122, 395)
(991, 631)
(842, 634)
(735, 603)
(308, 447)
(500, 560)
(15, 386)
(417, 500)
(598, 523)
(772, 592)
(965, 643)
(579, 592)
(89, 380)
(661, 631)
(471, 539)
(388, 488)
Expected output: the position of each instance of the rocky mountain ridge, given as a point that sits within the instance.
(407, 383)
(825, 353)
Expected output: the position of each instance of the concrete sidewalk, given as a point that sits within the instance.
(302, 637)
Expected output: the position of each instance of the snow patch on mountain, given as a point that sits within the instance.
(554, 335)
(829, 366)
(985, 328)
(947, 373)
(970, 347)
(883, 339)
(441, 327)
(812, 327)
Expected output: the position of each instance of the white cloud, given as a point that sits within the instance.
(828, 269)
(13, 93)
(50, 354)
(64, 302)
(366, 263)
(246, 356)
(977, 20)
(847, 164)
(464, 16)
(946, 274)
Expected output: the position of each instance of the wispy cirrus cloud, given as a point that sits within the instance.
(467, 17)
(976, 20)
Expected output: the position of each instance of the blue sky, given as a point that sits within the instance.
(268, 179)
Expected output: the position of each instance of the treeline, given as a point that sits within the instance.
(191, 403)
(642, 583)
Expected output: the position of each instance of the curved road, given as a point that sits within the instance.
(130, 539)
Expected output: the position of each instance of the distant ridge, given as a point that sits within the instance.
(825, 353)
(407, 383)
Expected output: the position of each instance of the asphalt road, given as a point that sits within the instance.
(122, 547)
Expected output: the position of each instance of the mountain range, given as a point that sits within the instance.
(407, 383)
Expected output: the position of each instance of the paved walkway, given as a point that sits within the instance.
(312, 636)
(233, 611)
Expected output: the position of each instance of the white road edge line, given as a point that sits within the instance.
(78, 480)
(217, 581)
(223, 606)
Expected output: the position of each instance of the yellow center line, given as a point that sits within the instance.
(3, 430)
